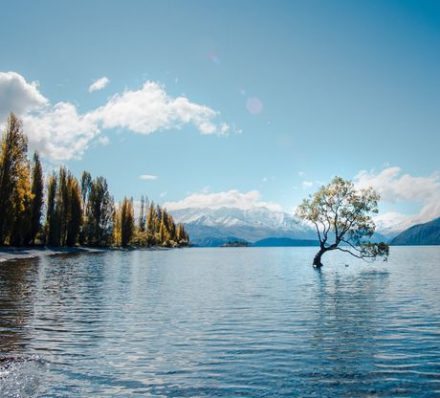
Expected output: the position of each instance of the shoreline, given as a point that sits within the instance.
(24, 253)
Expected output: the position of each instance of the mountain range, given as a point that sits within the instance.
(421, 234)
(214, 227)
(261, 226)
(217, 227)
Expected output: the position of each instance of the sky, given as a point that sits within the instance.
(248, 102)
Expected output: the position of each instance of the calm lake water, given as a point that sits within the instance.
(237, 322)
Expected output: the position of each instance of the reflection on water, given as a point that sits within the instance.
(221, 322)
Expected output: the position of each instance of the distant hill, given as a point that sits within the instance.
(212, 241)
(285, 242)
(422, 234)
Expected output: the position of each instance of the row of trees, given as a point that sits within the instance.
(74, 211)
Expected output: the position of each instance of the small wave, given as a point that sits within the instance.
(20, 375)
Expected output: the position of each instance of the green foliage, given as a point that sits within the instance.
(38, 199)
(51, 229)
(64, 209)
(76, 211)
(142, 215)
(127, 222)
(99, 214)
(15, 190)
(342, 218)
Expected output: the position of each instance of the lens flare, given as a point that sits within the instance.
(214, 58)
(254, 105)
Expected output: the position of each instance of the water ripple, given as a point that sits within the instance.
(220, 323)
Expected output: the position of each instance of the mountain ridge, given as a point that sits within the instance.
(420, 234)
(214, 227)
(246, 224)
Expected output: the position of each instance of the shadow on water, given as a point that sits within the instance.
(20, 372)
(17, 280)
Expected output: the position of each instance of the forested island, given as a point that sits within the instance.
(70, 212)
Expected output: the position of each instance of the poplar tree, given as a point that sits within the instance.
(51, 219)
(142, 215)
(13, 163)
(151, 223)
(127, 222)
(22, 201)
(100, 208)
(38, 199)
(74, 220)
(116, 236)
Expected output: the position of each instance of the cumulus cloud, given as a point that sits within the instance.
(17, 95)
(231, 199)
(99, 84)
(60, 132)
(394, 186)
(148, 177)
(151, 109)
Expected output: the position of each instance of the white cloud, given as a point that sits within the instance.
(231, 199)
(394, 187)
(104, 140)
(148, 177)
(60, 132)
(17, 95)
(99, 84)
(150, 109)
(307, 184)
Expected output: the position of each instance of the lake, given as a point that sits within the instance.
(230, 322)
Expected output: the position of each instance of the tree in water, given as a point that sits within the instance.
(342, 218)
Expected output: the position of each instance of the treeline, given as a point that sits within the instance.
(71, 211)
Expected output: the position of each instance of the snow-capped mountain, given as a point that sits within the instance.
(213, 227)
(225, 223)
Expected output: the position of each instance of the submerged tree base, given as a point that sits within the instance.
(317, 259)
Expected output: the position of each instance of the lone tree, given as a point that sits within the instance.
(342, 219)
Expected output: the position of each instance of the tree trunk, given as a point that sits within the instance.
(317, 260)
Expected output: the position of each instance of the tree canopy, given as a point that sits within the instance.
(342, 218)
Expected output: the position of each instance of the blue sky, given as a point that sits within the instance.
(308, 90)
